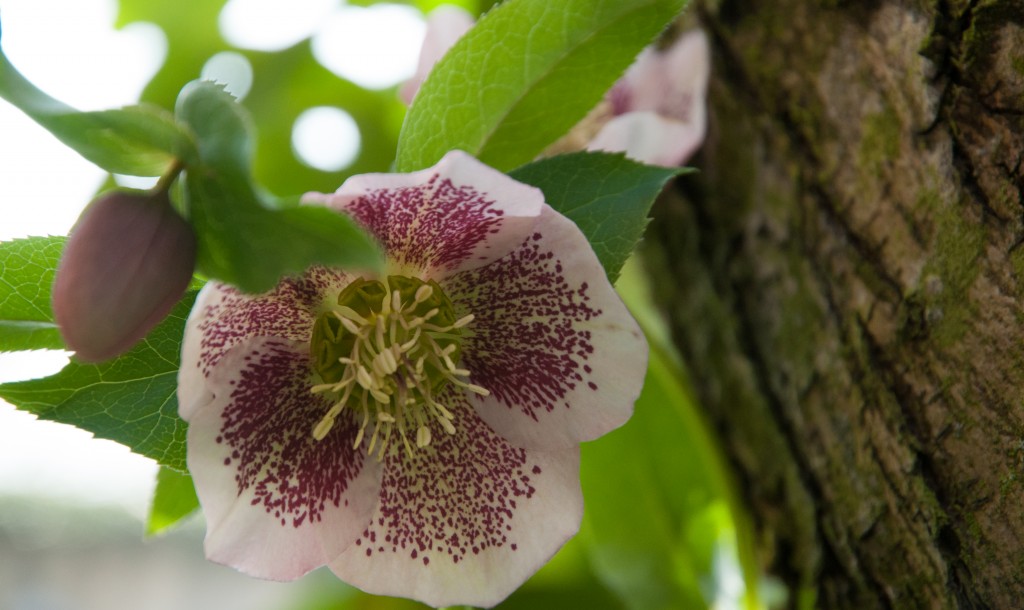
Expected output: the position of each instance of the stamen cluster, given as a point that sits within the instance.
(384, 351)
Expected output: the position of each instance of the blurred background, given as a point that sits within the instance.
(320, 78)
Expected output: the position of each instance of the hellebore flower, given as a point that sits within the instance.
(655, 113)
(127, 262)
(416, 432)
(659, 109)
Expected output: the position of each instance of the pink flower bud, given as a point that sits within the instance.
(127, 262)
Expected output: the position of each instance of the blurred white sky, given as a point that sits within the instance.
(70, 50)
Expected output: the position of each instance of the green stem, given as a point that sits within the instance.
(165, 182)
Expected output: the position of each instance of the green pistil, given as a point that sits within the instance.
(385, 353)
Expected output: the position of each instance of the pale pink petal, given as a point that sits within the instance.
(650, 138)
(445, 26)
(456, 215)
(222, 317)
(467, 519)
(672, 83)
(552, 342)
(277, 502)
(642, 87)
(687, 68)
(660, 104)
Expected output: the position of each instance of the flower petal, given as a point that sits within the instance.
(642, 87)
(277, 502)
(649, 138)
(560, 354)
(467, 519)
(660, 103)
(445, 26)
(222, 317)
(687, 67)
(456, 215)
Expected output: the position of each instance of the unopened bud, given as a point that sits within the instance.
(127, 262)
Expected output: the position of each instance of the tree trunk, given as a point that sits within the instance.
(844, 280)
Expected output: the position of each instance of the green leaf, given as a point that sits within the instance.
(131, 400)
(173, 499)
(473, 6)
(524, 75)
(222, 128)
(661, 456)
(607, 195)
(657, 546)
(27, 267)
(141, 140)
(241, 240)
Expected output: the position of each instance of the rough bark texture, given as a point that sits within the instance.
(845, 281)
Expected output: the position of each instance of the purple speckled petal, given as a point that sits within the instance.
(456, 215)
(277, 502)
(223, 317)
(560, 354)
(467, 519)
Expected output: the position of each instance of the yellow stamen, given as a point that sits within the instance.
(422, 436)
(394, 362)
(322, 428)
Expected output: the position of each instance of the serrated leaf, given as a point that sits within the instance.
(131, 400)
(607, 195)
(241, 241)
(524, 75)
(174, 498)
(27, 267)
(222, 128)
(140, 140)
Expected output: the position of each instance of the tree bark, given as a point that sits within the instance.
(844, 279)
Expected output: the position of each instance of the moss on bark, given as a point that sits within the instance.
(843, 278)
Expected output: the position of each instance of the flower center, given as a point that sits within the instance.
(385, 352)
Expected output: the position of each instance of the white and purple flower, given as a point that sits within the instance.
(417, 432)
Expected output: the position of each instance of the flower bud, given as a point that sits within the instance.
(127, 262)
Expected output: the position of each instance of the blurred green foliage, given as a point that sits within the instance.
(174, 498)
(428, 5)
(284, 85)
